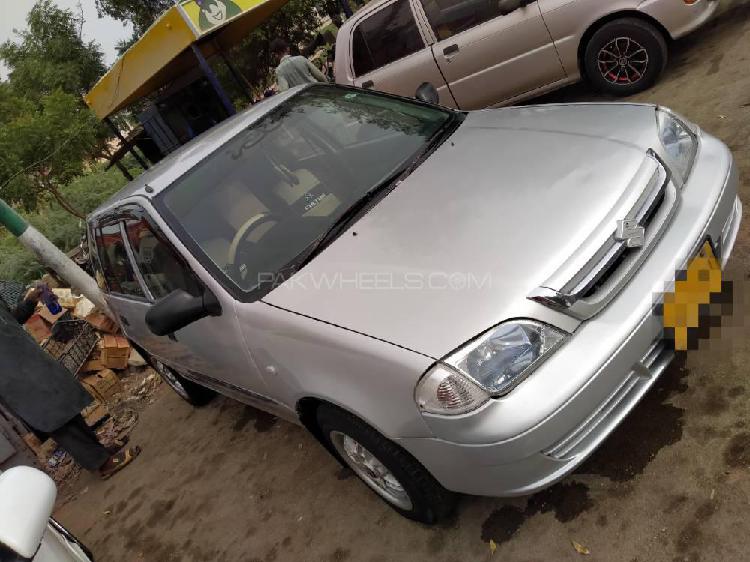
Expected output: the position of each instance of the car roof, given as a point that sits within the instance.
(174, 165)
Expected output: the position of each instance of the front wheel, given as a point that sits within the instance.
(189, 391)
(391, 472)
(625, 56)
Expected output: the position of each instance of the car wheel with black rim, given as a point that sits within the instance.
(625, 56)
(189, 391)
(390, 471)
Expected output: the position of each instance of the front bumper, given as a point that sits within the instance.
(550, 423)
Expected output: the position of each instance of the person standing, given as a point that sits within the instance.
(293, 70)
(42, 393)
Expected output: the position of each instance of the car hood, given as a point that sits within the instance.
(489, 216)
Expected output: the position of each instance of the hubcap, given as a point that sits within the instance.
(623, 61)
(169, 377)
(371, 470)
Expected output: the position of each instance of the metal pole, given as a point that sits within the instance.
(225, 101)
(51, 256)
(241, 82)
(132, 151)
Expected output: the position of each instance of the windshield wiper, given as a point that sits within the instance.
(391, 181)
(346, 218)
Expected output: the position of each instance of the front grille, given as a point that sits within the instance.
(584, 290)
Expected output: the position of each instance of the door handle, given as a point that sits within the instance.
(450, 51)
(368, 84)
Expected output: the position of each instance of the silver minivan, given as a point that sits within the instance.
(448, 301)
(481, 53)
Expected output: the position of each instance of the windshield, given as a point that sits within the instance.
(260, 200)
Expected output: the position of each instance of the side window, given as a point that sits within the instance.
(449, 17)
(162, 269)
(113, 257)
(385, 36)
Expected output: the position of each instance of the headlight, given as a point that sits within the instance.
(679, 141)
(490, 365)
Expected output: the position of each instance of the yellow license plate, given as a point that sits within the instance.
(701, 280)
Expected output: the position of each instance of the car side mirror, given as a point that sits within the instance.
(427, 93)
(179, 309)
(27, 498)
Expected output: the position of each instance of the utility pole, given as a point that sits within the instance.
(51, 256)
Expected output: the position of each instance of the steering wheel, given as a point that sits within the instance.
(241, 237)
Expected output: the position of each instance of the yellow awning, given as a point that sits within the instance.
(163, 53)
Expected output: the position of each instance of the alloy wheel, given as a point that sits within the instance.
(373, 472)
(623, 61)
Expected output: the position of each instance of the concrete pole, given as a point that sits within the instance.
(50, 256)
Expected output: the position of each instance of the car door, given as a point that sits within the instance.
(489, 52)
(140, 266)
(389, 53)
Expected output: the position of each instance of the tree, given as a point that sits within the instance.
(141, 13)
(42, 149)
(47, 134)
(51, 55)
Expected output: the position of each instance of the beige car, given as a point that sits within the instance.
(480, 53)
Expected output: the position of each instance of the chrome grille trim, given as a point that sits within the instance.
(586, 291)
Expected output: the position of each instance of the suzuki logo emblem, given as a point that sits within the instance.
(630, 232)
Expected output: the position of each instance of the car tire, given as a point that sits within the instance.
(190, 392)
(407, 487)
(625, 56)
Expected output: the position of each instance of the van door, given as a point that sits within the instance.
(390, 54)
(140, 266)
(488, 55)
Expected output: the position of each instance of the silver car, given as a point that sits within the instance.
(448, 301)
(481, 53)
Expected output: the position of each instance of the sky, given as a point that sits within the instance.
(107, 32)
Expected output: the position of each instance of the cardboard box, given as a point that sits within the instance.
(50, 318)
(94, 413)
(102, 323)
(66, 298)
(38, 328)
(102, 385)
(115, 352)
(92, 365)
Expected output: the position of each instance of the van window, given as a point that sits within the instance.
(385, 36)
(449, 17)
(113, 257)
(162, 269)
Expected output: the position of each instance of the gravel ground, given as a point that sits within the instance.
(227, 482)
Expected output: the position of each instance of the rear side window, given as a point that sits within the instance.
(449, 17)
(162, 269)
(385, 36)
(113, 257)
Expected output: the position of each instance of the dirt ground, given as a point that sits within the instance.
(226, 482)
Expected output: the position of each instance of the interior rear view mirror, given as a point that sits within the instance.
(179, 309)
(427, 93)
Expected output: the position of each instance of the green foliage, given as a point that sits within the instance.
(141, 13)
(43, 149)
(64, 230)
(51, 55)
(46, 132)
